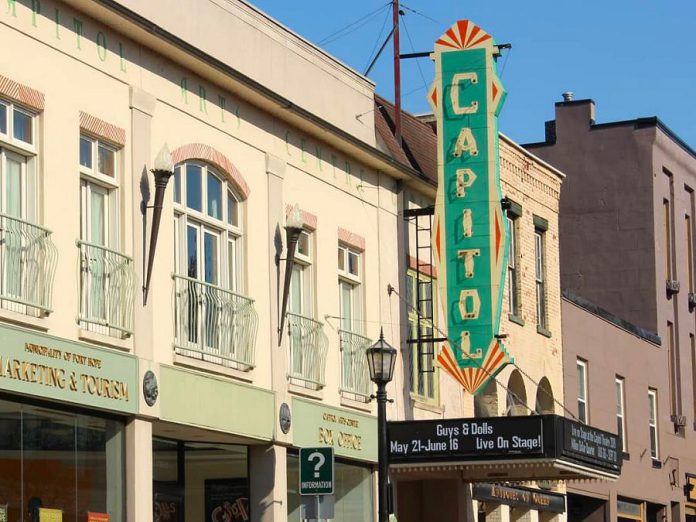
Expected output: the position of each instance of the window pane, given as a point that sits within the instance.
(581, 381)
(296, 290)
(232, 210)
(22, 124)
(211, 258)
(193, 187)
(214, 197)
(86, 153)
(353, 261)
(177, 184)
(13, 192)
(3, 118)
(107, 161)
(232, 263)
(303, 244)
(97, 218)
(192, 252)
(341, 259)
(346, 306)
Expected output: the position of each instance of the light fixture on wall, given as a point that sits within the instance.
(293, 228)
(162, 171)
(381, 358)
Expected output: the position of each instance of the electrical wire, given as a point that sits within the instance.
(351, 27)
(413, 49)
(508, 390)
(379, 37)
(423, 15)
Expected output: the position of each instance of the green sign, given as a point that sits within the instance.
(42, 365)
(469, 234)
(316, 471)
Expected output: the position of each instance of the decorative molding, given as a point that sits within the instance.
(216, 158)
(310, 220)
(22, 93)
(102, 129)
(351, 239)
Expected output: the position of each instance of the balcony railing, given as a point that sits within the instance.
(355, 375)
(28, 260)
(214, 324)
(107, 290)
(308, 347)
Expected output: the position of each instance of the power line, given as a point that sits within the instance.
(408, 35)
(379, 37)
(351, 27)
(423, 15)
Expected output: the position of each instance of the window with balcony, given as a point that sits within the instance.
(424, 372)
(27, 254)
(355, 377)
(308, 342)
(107, 277)
(215, 321)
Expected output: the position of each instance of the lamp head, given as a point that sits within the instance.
(163, 161)
(381, 359)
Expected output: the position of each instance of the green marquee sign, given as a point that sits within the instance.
(469, 236)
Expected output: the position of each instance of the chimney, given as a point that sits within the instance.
(573, 117)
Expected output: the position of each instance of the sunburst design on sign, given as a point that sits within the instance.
(469, 231)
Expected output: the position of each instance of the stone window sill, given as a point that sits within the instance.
(297, 389)
(105, 340)
(208, 367)
(514, 318)
(36, 323)
(358, 405)
(543, 331)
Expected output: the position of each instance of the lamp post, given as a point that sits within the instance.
(381, 358)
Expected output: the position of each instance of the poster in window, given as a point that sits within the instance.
(50, 515)
(168, 503)
(227, 500)
(3, 513)
(97, 517)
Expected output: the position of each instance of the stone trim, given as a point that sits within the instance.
(310, 220)
(351, 239)
(102, 129)
(22, 93)
(217, 159)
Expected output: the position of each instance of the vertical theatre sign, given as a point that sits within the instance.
(469, 236)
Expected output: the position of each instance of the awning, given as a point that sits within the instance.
(509, 449)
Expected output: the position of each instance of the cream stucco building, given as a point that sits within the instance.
(194, 405)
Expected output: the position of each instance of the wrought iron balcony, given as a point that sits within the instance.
(214, 324)
(107, 290)
(355, 375)
(308, 347)
(28, 261)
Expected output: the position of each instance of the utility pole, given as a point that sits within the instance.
(397, 73)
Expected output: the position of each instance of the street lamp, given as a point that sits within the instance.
(293, 229)
(381, 358)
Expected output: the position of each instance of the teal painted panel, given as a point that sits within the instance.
(50, 367)
(193, 398)
(351, 434)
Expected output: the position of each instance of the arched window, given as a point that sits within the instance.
(207, 226)
(516, 401)
(486, 401)
(544, 397)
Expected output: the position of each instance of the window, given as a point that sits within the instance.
(667, 237)
(349, 279)
(652, 423)
(213, 320)
(540, 277)
(620, 412)
(673, 371)
(208, 243)
(301, 300)
(513, 219)
(692, 346)
(582, 391)
(25, 248)
(688, 232)
(420, 299)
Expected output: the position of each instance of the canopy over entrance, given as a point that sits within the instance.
(510, 449)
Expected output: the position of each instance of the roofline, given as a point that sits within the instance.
(537, 159)
(381, 160)
(600, 312)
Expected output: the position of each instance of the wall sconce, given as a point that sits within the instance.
(162, 171)
(293, 228)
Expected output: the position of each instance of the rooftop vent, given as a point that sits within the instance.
(568, 96)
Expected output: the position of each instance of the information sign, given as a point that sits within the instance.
(316, 471)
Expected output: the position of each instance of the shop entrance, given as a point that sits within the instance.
(200, 481)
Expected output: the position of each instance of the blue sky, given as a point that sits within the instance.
(635, 58)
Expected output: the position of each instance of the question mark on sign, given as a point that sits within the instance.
(320, 462)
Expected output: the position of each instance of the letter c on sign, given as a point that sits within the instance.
(456, 79)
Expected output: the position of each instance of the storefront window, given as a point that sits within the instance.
(51, 459)
(200, 481)
(353, 491)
